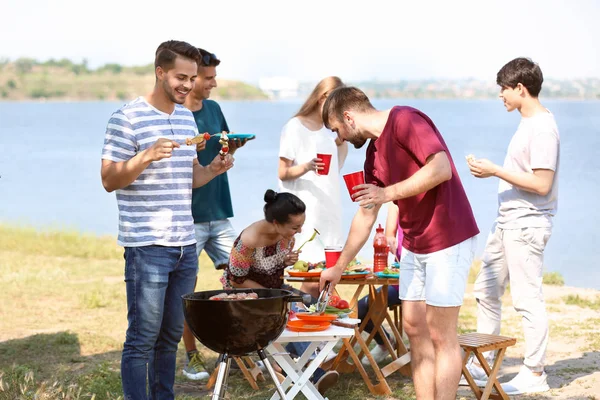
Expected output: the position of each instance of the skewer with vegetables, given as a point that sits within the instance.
(197, 139)
(224, 142)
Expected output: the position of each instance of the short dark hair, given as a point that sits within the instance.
(524, 71)
(342, 99)
(168, 51)
(280, 206)
(208, 59)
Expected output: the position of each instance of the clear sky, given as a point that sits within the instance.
(310, 39)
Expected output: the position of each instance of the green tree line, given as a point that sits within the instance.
(63, 79)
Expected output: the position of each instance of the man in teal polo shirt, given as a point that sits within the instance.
(211, 204)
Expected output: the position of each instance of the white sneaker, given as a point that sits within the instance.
(196, 376)
(526, 382)
(379, 353)
(194, 369)
(478, 374)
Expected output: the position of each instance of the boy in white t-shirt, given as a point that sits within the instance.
(527, 197)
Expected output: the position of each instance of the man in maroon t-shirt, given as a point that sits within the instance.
(408, 163)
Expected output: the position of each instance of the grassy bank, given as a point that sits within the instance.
(62, 307)
(27, 79)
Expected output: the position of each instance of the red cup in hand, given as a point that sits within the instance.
(325, 159)
(354, 179)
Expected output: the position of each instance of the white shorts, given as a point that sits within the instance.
(438, 278)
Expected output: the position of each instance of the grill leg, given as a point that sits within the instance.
(221, 384)
(263, 357)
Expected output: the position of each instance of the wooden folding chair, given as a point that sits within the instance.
(478, 343)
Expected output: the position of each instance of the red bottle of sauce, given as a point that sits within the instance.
(380, 250)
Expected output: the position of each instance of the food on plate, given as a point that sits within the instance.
(342, 305)
(224, 142)
(391, 270)
(353, 263)
(234, 296)
(304, 266)
(334, 300)
(197, 139)
(320, 266)
(358, 268)
(355, 267)
(301, 265)
(329, 310)
(337, 302)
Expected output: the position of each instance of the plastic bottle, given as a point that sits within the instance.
(380, 250)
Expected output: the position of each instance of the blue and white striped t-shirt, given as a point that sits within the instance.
(156, 208)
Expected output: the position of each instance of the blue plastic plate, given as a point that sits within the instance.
(248, 136)
(382, 275)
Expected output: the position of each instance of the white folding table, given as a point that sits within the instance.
(298, 377)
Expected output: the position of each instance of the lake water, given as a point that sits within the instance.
(50, 168)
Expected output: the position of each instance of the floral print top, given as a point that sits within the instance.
(263, 265)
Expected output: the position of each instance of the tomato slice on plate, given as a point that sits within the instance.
(334, 300)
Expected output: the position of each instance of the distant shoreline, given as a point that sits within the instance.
(62, 80)
(298, 99)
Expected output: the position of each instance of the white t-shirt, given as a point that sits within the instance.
(535, 145)
(320, 193)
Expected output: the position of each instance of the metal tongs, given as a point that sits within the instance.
(324, 298)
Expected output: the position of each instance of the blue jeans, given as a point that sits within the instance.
(216, 238)
(363, 308)
(155, 278)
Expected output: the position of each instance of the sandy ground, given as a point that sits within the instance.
(573, 357)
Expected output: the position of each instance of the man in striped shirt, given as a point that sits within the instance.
(146, 161)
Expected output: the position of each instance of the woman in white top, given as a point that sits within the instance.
(301, 139)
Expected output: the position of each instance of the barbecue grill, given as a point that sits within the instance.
(238, 327)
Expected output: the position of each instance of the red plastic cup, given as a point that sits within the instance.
(332, 255)
(354, 179)
(325, 159)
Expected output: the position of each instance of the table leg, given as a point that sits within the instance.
(381, 388)
(340, 363)
(246, 373)
(354, 301)
(491, 373)
(476, 390)
(376, 314)
(284, 360)
(212, 379)
(401, 362)
(397, 337)
(295, 372)
(256, 372)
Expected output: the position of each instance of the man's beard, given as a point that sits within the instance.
(357, 142)
(169, 92)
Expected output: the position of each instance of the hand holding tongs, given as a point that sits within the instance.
(324, 298)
